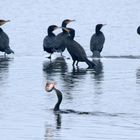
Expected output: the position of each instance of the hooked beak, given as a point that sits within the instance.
(3, 22)
(71, 21)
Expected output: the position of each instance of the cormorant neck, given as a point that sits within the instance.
(59, 96)
(72, 35)
(50, 33)
(64, 25)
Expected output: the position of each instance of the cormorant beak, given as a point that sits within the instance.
(71, 21)
(104, 24)
(3, 22)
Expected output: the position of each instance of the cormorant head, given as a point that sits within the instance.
(98, 27)
(66, 21)
(52, 28)
(3, 21)
(49, 86)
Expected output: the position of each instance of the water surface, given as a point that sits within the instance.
(110, 93)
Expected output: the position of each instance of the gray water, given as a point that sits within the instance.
(110, 93)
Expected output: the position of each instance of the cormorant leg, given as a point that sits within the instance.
(77, 63)
(4, 55)
(73, 63)
(61, 54)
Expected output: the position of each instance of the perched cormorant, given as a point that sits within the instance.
(59, 40)
(97, 41)
(138, 30)
(76, 51)
(3, 21)
(49, 39)
(4, 43)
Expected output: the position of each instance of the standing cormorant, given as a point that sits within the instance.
(97, 41)
(49, 39)
(138, 30)
(58, 43)
(76, 51)
(4, 42)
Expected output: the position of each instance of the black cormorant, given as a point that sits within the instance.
(97, 41)
(138, 30)
(4, 43)
(76, 51)
(3, 21)
(59, 40)
(51, 86)
(49, 39)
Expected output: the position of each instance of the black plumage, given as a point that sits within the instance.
(138, 30)
(49, 39)
(76, 51)
(4, 43)
(97, 41)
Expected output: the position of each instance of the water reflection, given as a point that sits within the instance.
(50, 130)
(138, 76)
(58, 120)
(98, 76)
(4, 69)
(72, 79)
(50, 68)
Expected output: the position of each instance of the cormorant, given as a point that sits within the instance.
(3, 21)
(138, 30)
(76, 51)
(4, 43)
(59, 40)
(51, 86)
(49, 39)
(97, 41)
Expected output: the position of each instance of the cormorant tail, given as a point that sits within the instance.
(9, 51)
(90, 63)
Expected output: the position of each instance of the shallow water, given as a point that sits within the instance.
(110, 93)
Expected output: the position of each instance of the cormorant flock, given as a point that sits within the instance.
(57, 43)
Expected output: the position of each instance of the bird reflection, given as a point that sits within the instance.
(73, 78)
(58, 120)
(138, 76)
(50, 131)
(50, 68)
(98, 76)
(4, 67)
